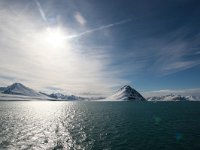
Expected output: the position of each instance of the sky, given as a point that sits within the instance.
(93, 47)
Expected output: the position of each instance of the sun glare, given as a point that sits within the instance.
(55, 37)
(52, 42)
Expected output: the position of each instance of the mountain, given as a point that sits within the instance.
(61, 96)
(173, 97)
(57, 95)
(127, 93)
(2, 89)
(193, 98)
(20, 89)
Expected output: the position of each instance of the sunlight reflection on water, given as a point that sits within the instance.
(41, 125)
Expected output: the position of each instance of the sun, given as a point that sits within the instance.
(52, 42)
(55, 37)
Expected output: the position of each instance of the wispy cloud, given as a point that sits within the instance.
(100, 28)
(167, 54)
(80, 19)
(26, 58)
(182, 65)
(173, 52)
(41, 10)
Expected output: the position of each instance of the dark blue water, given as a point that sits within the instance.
(100, 125)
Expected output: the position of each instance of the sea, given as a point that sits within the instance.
(76, 125)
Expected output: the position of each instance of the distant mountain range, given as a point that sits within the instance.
(60, 96)
(173, 97)
(126, 93)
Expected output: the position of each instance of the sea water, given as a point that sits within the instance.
(100, 125)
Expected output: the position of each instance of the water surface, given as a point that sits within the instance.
(100, 125)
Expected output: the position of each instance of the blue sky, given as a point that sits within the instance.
(95, 46)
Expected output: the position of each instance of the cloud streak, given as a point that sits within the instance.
(100, 28)
(41, 10)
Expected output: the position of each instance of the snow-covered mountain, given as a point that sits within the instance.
(173, 97)
(61, 96)
(20, 89)
(2, 89)
(57, 95)
(193, 98)
(127, 93)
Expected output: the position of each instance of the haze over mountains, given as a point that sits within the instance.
(126, 93)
